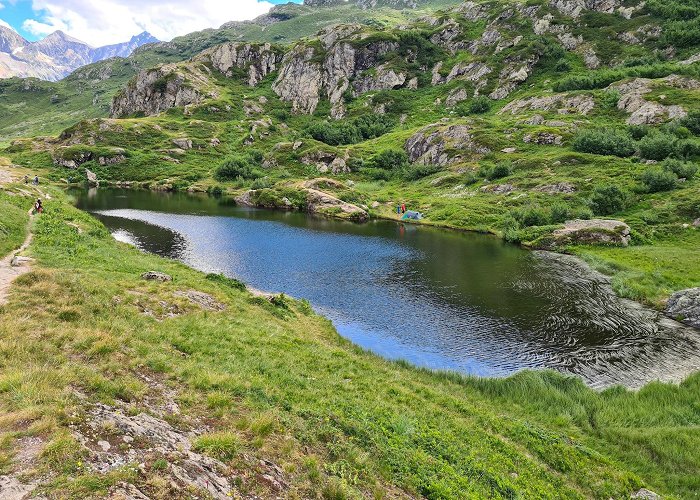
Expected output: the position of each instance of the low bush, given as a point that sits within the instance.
(479, 105)
(657, 146)
(243, 166)
(532, 215)
(353, 131)
(237, 167)
(497, 171)
(692, 122)
(390, 159)
(656, 179)
(604, 142)
(416, 172)
(682, 169)
(607, 200)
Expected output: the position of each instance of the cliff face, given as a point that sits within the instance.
(156, 90)
(310, 73)
(259, 60)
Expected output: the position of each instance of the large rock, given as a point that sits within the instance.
(258, 60)
(563, 103)
(308, 73)
(685, 306)
(442, 145)
(594, 231)
(92, 179)
(156, 90)
(573, 8)
(643, 112)
(300, 79)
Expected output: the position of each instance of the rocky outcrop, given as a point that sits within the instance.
(322, 203)
(563, 103)
(685, 306)
(299, 80)
(257, 60)
(643, 112)
(543, 139)
(156, 90)
(573, 8)
(442, 145)
(92, 179)
(515, 72)
(307, 73)
(384, 78)
(589, 232)
(468, 71)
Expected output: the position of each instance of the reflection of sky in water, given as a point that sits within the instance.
(438, 299)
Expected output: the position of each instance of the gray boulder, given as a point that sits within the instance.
(685, 306)
(156, 276)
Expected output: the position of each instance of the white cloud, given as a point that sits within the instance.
(101, 22)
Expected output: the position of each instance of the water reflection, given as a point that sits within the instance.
(440, 299)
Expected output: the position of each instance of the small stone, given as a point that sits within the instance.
(645, 494)
(104, 445)
(508, 150)
(696, 222)
(156, 276)
(128, 439)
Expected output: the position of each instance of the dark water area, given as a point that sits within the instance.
(440, 299)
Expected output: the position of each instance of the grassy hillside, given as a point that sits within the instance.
(273, 392)
(30, 107)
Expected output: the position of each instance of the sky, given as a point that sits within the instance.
(103, 22)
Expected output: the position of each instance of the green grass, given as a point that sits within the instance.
(13, 223)
(277, 382)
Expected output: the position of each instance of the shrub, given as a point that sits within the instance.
(261, 183)
(498, 171)
(607, 200)
(559, 212)
(390, 159)
(604, 142)
(351, 131)
(237, 167)
(656, 179)
(416, 172)
(532, 215)
(610, 99)
(692, 122)
(480, 104)
(657, 146)
(638, 131)
(682, 169)
(562, 66)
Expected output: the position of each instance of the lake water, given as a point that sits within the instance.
(439, 299)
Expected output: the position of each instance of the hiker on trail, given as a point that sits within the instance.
(26, 179)
(38, 207)
(36, 180)
(403, 208)
(398, 209)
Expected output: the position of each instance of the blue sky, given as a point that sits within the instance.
(101, 22)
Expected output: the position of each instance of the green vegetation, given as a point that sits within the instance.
(13, 223)
(276, 382)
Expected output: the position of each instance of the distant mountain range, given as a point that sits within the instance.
(57, 55)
